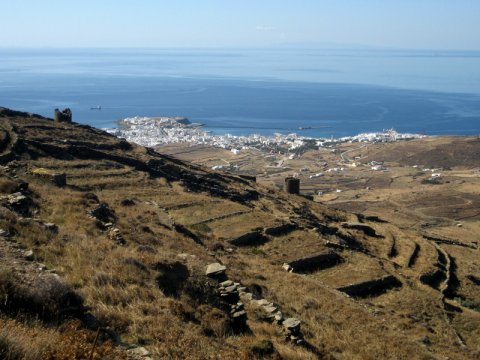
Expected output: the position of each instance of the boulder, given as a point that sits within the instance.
(139, 353)
(279, 316)
(226, 283)
(270, 309)
(29, 255)
(4, 233)
(262, 302)
(292, 331)
(17, 202)
(239, 314)
(215, 270)
(292, 324)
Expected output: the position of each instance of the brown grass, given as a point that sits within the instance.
(152, 290)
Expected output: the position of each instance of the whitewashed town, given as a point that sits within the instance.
(154, 131)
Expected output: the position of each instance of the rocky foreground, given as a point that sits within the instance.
(110, 250)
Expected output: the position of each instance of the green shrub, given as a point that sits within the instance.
(431, 181)
(469, 303)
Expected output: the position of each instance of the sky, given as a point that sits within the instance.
(403, 24)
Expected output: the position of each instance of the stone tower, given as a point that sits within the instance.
(292, 185)
(63, 116)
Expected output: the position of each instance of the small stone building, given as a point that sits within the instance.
(292, 185)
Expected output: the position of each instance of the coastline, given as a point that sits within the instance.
(164, 130)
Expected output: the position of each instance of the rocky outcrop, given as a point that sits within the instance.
(314, 262)
(19, 202)
(371, 287)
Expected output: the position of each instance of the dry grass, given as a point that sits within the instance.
(30, 340)
(152, 290)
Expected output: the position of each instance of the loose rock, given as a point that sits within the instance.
(4, 233)
(292, 324)
(215, 270)
(29, 255)
(51, 227)
(226, 283)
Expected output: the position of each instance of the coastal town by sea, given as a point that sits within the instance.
(156, 131)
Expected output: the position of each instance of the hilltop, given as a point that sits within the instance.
(108, 245)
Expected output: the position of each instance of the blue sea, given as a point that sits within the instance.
(326, 92)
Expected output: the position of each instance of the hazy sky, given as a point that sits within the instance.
(413, 24)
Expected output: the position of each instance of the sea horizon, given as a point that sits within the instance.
(333, 92)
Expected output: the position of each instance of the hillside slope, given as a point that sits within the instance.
(102, 238)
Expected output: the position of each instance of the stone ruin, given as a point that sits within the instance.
(232, 292)
(63, 116)
(229, 292)
(57, 179)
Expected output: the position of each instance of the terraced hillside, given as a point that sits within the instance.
(112, 250)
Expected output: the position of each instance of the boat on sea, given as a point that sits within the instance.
(96, 108)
